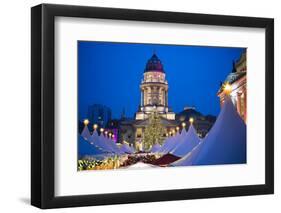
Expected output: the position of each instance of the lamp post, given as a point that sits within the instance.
(227, 88)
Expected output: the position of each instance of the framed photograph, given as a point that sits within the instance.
(139, 106)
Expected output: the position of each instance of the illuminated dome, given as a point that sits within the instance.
(154, 64)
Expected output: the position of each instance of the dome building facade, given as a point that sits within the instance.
(154, 97)
(154, 91)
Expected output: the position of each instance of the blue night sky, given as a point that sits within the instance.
(110, 74)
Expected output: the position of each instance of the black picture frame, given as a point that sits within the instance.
(43, 102)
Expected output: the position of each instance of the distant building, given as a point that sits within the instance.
(201, 123)
(99, 114)
(127, 131)
(237, 79)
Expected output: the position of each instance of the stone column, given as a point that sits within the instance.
(166, 98)
(145, 97)
(141, 98)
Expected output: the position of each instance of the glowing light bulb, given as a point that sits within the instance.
(86, 122)
(191, 120)
(95, 126)
(177, 128)
(183, 125)
(227, 88)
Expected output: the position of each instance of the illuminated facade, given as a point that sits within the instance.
(154, 97)
(154, 91)
(238, 82)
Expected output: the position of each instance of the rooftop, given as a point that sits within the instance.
(154, 64)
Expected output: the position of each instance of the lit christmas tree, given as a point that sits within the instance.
(154, 131)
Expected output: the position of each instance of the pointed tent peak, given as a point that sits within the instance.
(102, 136)
(94, 136)
(183, 131)
(86, 129)
(226, 141)
(229, 107)
(191, 129)
(86, 133)
(186, 143)
(177, 134)
(228, 100)
(95, 132)
(192, 134)
(228, 112)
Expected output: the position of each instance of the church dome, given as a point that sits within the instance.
(154, 64)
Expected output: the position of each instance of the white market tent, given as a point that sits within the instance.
(86, 133)
(126, 149)
(100, 142)
(186, 143)
(165, 144)
(225, 142)
(188, 159)
(171, 142)
(86, 149)
(155, 148)
(113, 147)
